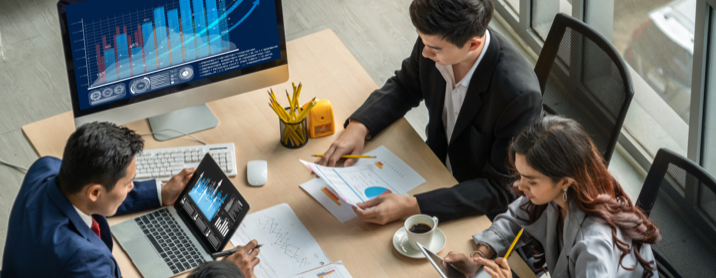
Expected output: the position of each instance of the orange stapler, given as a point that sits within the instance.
(320, 119)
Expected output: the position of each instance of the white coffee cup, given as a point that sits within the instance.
(423, 238)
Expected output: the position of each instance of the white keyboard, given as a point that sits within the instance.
(162, 164)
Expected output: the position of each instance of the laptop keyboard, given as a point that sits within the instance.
(169, 240)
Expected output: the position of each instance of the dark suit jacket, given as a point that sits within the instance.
(502, 99)
(47, 238)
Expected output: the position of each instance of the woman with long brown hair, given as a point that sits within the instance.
(586, 224)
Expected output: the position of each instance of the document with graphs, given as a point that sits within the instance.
(369, 178)
(288, 248)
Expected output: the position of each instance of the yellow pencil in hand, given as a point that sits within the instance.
(513, 243)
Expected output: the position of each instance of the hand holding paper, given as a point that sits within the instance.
(387, 208)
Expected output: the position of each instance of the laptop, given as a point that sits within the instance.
(176, 239)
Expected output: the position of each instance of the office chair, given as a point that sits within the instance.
(679, 197)
(584, 78)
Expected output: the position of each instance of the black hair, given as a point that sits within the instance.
(217, 269)
(457, 21)
(97, 153)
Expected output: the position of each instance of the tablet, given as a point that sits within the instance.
(445, 269)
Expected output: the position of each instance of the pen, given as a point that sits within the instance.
(229, 252)
(513, 243)
(349, 156)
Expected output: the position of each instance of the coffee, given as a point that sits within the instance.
(420, 228)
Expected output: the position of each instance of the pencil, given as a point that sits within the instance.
(303, 113)
(232, 251)
(349, 156)
(513, 243)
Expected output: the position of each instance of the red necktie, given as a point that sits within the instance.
(95, 227)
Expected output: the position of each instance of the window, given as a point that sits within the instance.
(543, 12)
(658, 40)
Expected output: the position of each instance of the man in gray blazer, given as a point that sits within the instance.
(480, 92)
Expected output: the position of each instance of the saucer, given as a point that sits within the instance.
(400, 242)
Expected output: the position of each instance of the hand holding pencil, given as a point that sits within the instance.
(246, 258)
(499, 268)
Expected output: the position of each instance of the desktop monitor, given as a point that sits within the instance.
(164, 59)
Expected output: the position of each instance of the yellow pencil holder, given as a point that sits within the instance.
(293, 135)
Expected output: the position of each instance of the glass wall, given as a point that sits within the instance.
(543, 12)
(656, 37)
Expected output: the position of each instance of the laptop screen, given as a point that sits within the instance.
(211, 205)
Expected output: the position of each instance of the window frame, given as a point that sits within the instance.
(699, 80)
(522, 23)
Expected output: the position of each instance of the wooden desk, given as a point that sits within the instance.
(328, 71)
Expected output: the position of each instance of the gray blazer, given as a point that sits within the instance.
(589, 249)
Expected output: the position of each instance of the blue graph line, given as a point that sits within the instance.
(237, 24)
(218, 20)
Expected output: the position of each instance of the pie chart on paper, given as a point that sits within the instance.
(375, 191)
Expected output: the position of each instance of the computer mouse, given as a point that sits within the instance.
(257, 172)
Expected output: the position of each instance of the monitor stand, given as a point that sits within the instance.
(187, 120)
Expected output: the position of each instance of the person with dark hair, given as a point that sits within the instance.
(585, 223)
(217, 269)
(480, 92)
(58, 225)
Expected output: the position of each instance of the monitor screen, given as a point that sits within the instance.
(214, 206)
(123, 52)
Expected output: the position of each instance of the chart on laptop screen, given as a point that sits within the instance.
(213, 204)
(126, 48)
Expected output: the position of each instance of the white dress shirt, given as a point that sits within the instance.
(88, 219)
(455, 94)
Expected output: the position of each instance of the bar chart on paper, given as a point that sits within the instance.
(288, 248)
(121, 51)
(334, 270)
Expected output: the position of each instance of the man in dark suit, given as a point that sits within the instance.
(57, 225)
(479, 91)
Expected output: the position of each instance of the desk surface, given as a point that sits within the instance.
(328, 71)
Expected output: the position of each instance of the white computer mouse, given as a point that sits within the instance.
(257, 172)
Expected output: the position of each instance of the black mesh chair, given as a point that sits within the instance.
(584, 78)
(680, 199)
